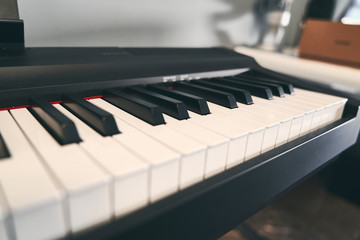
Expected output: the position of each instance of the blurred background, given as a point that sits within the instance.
(272, 25)
(188, 23)
(327, 206)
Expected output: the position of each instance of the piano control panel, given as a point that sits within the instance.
(76, 154)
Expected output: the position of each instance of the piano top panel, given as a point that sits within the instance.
(55, 71)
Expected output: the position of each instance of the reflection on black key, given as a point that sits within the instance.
(263, 92)
(193, 103)
(242, 96)
(170, 106)
(98, 119)
(144, 110)
(56, 123)
(4, 153)
(222, 98)
(288, 87)
(276, 89)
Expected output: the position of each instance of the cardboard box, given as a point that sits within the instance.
(331, 41)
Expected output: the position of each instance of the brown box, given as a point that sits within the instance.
(331, 41)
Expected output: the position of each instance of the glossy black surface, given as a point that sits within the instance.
(242, 96)
(276, 89)
(97, 118)
(4, 153)
(144, 110)
(55, 122)
(288, 87)
(263, 92)
(194, 103)
(219, 97)
(12, 34)
(90, 71)
(168, 105)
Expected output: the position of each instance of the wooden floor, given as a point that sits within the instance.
(307, 212)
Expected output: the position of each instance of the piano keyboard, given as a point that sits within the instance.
(68, 166)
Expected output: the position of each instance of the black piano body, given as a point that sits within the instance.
(214, 206)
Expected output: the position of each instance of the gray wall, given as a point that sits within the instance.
(137, 22)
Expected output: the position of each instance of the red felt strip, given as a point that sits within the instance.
(55, 102)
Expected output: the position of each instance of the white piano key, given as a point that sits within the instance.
(315, 123)
(319, 110)
(87, 195)
(130, 173)
(279, 105)
(4, 217)
(337, 108)
(33, 199)
(164, 171)
(241, 117)
(246, 138)
(217, 145)
(308, 111)
(322, 109)
(285, 120)
(313, 100)
(327, 108)
(319, 95)
(312, 112)
(236, 147)
(192, 163)
(272, 116)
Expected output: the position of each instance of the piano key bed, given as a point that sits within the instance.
(185, 159)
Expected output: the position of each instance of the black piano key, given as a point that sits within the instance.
(144, 110)
(276, 89)
(4, 153)
(55, 122)
(97, 118)
(193, 103)
(242, 96)
(263, 92)
(170, 106)
(225, 99)
(288, 87)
